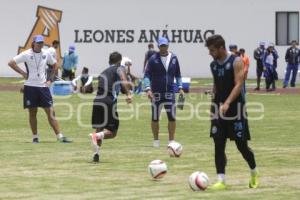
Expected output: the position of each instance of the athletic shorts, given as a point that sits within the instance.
(232, 129)
(163, 100)
(105, 115)
(37, 97)
(234, 125)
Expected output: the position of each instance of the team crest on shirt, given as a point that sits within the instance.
(215, 67)
(31, 57)
(228, 65)
(28, 103)
(214, 130)
(44, 57)
(174, 61)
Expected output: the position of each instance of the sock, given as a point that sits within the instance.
(171, 141)
(253, 171)
(100, 135)
(60, 135)
(35, 136)
(97, 150)
(156, 143)
(221, 177)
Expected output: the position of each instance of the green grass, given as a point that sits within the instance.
(51, 170)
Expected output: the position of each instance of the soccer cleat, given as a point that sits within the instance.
(35, 140)
(64, 140)
(253, 183)
(96, 157)
(220, 185)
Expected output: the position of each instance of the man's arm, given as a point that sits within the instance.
(178, 78)
(145, 62)
(16, 68)
(287, 55)
(238, 67)
(90, 80)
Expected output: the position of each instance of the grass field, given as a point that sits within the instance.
(51, 170)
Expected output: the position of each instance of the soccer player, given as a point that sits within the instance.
(105, 116)
(228, 115)
(159, 76)
(36, 87)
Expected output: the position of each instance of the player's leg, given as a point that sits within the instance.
(294, 75)
(33, 124)
(64, 74)
(156, 110)
(259, 70)
(220, 162)
(46, 102)
(287, 76)
(170, 108)
(31, 101)
(248, 155)
(105, 120)
(55, 126)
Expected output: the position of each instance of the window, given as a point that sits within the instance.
(287, 27)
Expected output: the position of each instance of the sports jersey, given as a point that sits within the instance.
(36, 66)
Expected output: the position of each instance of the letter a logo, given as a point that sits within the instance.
(46, 25)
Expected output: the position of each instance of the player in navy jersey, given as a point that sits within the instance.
(228, 113)
(105, 118)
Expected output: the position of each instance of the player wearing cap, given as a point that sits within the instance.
(36, 91)
(69, 64)
(233, 48)
(161, 70)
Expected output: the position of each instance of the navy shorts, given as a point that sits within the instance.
(37, 97)
(105, 115)
(168, 101)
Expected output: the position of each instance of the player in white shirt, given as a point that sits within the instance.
(36, 86)
(84, 82)
(53, 53)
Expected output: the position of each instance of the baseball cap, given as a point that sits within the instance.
(262, 43)
(71, 48)
(233, 46)
(271, 44)
(38, 38)
(163, 41)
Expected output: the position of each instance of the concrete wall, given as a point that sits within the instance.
(241, 22)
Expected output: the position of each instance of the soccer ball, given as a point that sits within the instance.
(157, 169)
(198, 181)
(174, 149)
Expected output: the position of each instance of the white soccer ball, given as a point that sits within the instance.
(174, 149)
(198, 181)
(157, 169)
